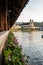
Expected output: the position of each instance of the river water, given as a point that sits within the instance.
(32, 45)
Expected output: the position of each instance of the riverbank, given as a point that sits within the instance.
(24, 29)
(29, 29)
(13, 52)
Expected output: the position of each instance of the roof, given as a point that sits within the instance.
(14, 9)
(27, 23)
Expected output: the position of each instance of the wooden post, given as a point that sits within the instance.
(8, 24)
(2, 21)
(4, 24)
(6, 16)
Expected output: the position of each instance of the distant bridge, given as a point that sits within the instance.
(9, 12)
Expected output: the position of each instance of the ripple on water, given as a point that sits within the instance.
(32, 44)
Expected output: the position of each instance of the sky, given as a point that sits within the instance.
(33, 10)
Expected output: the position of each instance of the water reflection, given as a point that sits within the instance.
(32, 44)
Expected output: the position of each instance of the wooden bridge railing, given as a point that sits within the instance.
(3, 39)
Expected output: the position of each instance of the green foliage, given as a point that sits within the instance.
(10, 38)
(7, 54)
(12, 53)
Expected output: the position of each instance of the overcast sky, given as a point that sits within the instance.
(33, 10)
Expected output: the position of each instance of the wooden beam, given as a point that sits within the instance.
(2, 21)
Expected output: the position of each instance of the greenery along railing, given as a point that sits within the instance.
(13, 52)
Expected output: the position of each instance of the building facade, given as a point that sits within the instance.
(28, 25)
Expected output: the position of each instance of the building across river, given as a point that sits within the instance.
(33, 25)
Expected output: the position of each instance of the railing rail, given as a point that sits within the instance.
(3, 40)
